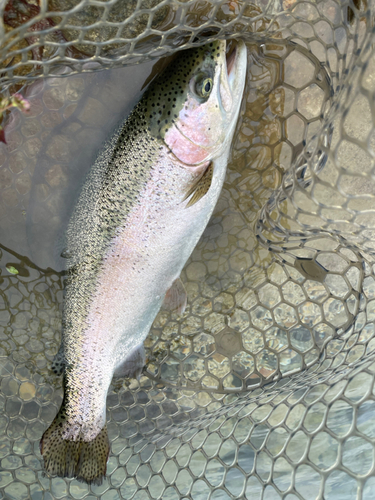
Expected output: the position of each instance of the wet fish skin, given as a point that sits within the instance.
(130, 235)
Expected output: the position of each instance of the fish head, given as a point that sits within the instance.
(194, 104)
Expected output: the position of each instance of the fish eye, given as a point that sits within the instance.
(203, 87)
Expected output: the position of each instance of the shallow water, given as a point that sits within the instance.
(251, 316)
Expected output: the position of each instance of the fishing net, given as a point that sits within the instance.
(263, 389)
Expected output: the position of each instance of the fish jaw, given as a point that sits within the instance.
(235, 76)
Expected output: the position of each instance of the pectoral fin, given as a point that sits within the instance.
(176, 297)
(200, 186)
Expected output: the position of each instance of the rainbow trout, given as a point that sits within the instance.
(141, 211)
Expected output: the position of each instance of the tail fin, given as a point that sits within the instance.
(84, 460)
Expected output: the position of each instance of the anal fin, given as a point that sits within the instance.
(132, 365)
(200, 186)
(176, 297)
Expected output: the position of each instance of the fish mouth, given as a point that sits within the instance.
(231, 53)
(228, 75)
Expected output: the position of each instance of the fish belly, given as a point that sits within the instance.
(143, 261)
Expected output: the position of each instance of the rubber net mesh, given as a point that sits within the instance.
(264, 388)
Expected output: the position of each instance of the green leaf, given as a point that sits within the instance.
(12, 269)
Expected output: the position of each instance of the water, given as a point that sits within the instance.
(251, 316)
